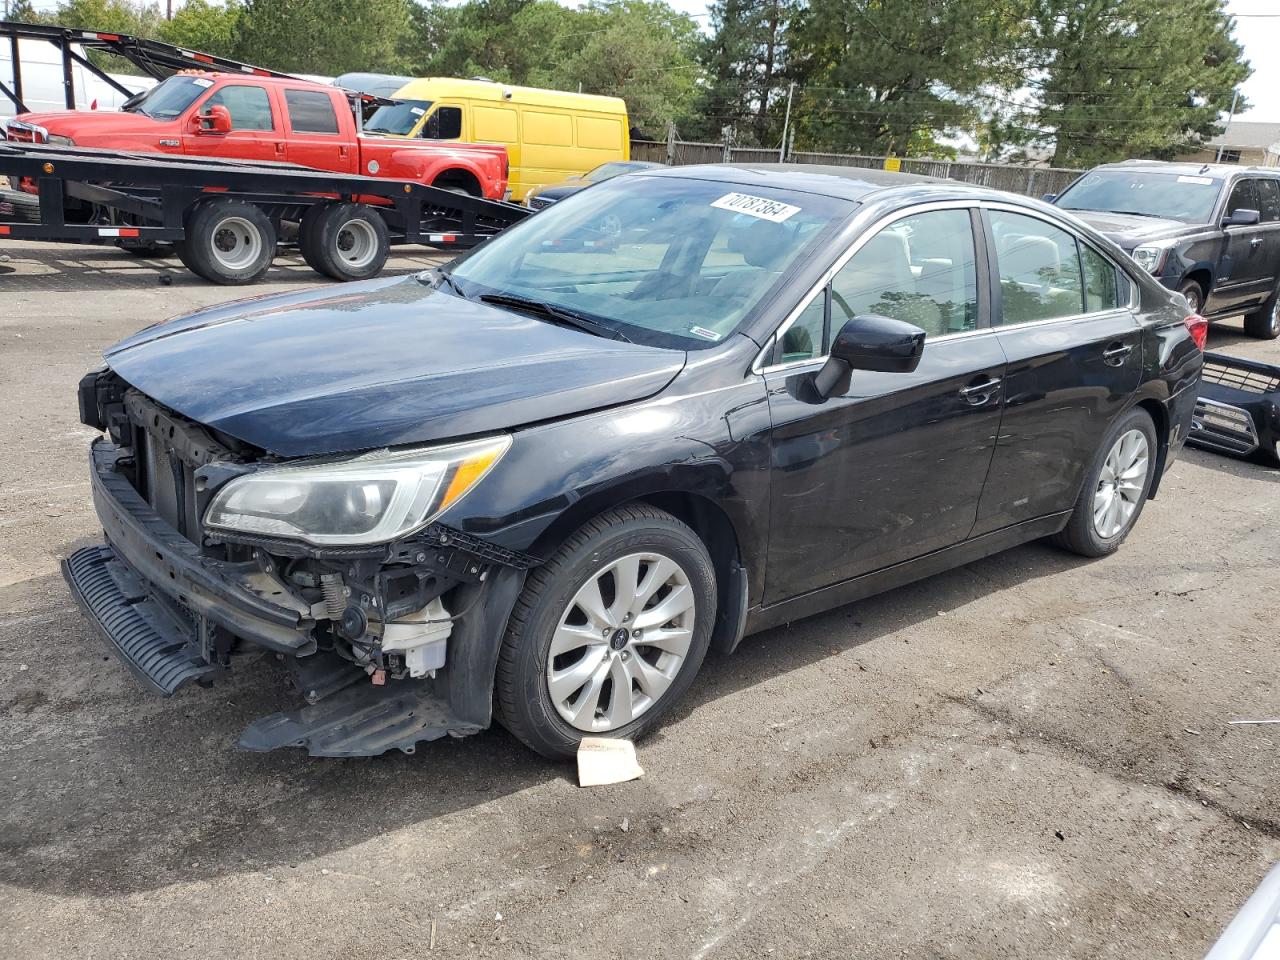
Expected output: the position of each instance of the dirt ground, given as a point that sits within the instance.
(1027, 757)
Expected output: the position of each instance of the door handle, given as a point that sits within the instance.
(1114, 355)
(978, 393)
(1255, 241)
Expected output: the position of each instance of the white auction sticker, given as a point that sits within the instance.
(704, 333)
(759, 207)
(1203, 181)
(202, 82)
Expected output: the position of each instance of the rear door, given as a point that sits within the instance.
(1074, 359)
(257, 131)
(892, 468)
(1246, 276)
(316, 132)
(1268, 189)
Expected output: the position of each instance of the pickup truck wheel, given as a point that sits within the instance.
(228, 242)
(608, 633)
(345, 241)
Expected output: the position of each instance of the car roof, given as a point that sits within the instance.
(1185, 168)
(846, 183)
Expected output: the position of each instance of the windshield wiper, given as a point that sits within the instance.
(556, 314)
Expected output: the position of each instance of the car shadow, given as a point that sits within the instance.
(105, 789)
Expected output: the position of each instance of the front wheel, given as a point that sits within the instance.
(608, 634)
(1193, 294)
(1115, 488)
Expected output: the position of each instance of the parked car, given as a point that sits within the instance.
(549, 134)
(542, 482)
(1254, 932)
(266, 118)
(1210, 232)
(540, 197)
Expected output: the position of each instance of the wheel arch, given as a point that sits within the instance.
(460, 177)
(1160, 417)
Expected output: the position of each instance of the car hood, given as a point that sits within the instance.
(84, 123)
(389, 361)
(559, 191)
(1128, 231)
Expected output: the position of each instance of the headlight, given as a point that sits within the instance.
(61, 141)
(373, 498)
(1150, 257)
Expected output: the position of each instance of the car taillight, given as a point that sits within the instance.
(1198, 327)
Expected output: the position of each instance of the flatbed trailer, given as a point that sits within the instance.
(226, 217)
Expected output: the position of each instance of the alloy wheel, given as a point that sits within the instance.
(1121, 484)
(621, 642)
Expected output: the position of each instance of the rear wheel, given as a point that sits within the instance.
(1115, 488)
(345, 241)
(608, 634)
(1265, 322)
(228, 242)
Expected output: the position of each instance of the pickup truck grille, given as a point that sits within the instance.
(1239, 378)
(1220, 426)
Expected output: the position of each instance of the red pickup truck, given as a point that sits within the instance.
(267, 118)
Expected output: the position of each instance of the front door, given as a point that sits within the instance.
(1246, 276)
(1074, 355)
(256, 132)
(892, 468)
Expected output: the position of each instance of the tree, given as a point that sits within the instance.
(746, 59)
(1129, 78)
(323, 36)
(204, 26)
(24, 11)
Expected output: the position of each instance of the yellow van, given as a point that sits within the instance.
(549, 134)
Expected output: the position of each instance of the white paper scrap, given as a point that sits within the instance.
(603, 761)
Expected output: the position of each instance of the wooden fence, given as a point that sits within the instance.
(1032, 181)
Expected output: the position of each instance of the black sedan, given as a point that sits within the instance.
(540, 484)
(540, 197)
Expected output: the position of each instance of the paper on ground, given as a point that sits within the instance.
(602, 761)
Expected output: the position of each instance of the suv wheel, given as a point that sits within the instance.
(1195, 296)
(609, 633)
(1265, 322)
(1115, 488)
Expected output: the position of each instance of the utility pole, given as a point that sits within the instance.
(671, 143)
(786, 122)
(1235, 98)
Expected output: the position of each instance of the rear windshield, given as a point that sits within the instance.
(664, 261)
(169, 99)
(398, 118)
(1144, 194)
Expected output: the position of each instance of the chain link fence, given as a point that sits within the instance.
(1032, 181)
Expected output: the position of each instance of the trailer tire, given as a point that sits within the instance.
(345, 241)
(228, 242)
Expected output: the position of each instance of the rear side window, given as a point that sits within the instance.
(1040, 275)
(250, 108)
(311, 111)
(1269, 197)
(1100, 291)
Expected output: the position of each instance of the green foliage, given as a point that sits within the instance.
(323, 36)
(204, 26)
(24, 11)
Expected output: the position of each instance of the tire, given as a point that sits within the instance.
(345, 241)
(1194, 294)
(1084, 533)
(639, 537)
(1264, 323)
(228, 242)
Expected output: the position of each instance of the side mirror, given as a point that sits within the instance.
(217, 119)
(870, 342)
(1243, 217)
(1048, 197)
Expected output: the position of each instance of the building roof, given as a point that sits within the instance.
(1247, 135)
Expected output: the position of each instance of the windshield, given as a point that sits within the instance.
(169, 99)
(664, 261)
(1177, 197)
(398, 118)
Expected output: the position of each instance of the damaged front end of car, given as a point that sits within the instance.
(387, 620)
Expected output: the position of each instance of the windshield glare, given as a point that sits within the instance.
(666, 261)
(1177, 197)
(398, 118)
(168, 99)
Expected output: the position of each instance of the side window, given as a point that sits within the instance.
(311, 111)
(920, 269)
(1039, 269)
(1243, 197)
(1100, 291)
(1269, 197)
(250, 108)
(444, 124)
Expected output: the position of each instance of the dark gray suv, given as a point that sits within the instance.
(1209, 231)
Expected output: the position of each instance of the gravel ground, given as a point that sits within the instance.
(1027, 757)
